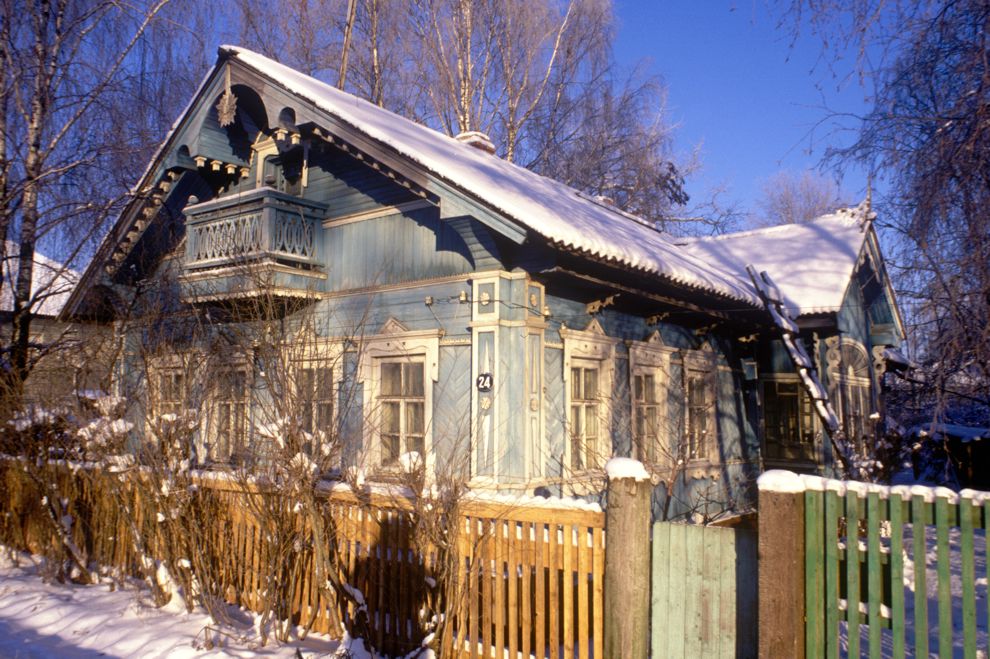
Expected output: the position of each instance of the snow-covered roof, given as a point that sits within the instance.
(547, 207)
(812, 263)
(51, 284)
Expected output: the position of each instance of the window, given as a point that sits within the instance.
(586, 447)
(788, 420)
(589, 358)
(700, 426)
(171, 392)
(850, 388)
(646, 416)
(402, 398)
(314, 391)
(398, 368)
(649, 368)
(230, 417)
(316, 397)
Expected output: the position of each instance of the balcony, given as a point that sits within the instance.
(260, 241)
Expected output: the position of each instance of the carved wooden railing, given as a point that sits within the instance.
(254, 226)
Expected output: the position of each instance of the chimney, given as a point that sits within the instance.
(478, 140)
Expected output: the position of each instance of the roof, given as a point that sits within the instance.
(547, 207)
(812, 263)
(50, 287)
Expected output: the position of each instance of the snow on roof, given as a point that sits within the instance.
(51, 284)
(812, 262)
(549, 208)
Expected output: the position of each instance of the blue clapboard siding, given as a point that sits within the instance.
(704, 591)
(553, 409)
(393, 249)
(452, 412)
(350, 186)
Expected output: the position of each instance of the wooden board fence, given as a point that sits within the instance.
(704, 591)
(530, 581)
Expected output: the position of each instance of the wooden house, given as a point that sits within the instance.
(481, 316)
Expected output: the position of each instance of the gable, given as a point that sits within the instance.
(511, 202)
(812, 263)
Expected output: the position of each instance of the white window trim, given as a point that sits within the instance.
(397, 342)
(651, 357)
(590, 344)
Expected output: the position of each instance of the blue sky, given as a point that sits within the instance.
(737, 87)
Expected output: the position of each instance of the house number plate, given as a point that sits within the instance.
(484, 382)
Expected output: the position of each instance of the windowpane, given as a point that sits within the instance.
(390, 449)
(417, 444)
(402, 398)
(391, 422)
(576, 384)
(649, 389)
(414, 418)
(638, 387)
(652, 429)
(576, 420)
(391, 379)
(590, 383)
(591, 421)
(413, 379)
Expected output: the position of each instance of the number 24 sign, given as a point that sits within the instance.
(484, 382)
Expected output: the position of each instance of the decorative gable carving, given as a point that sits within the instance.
(595, 327)
(393, 326)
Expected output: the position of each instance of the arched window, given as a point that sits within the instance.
(852, 396)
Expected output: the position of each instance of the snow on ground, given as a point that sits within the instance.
(40, 620)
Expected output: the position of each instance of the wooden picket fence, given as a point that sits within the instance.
(531, 579)
(861, 541)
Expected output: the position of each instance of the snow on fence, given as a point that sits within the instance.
(886, 571)
(532, 576)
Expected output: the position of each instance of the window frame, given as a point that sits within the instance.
(316, 355)
(403, 399)
(584, 348)
(236, 450)
(851, 389)
(704, 362)
(805, 421)
(395, 342)
(651, 358)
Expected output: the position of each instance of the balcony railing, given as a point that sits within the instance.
(255, 226)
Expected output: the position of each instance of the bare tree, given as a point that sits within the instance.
(788, 198)
(538, 78)
(928, 136)
(69, 68)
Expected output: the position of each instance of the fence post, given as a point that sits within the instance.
(627, 559)
(781, 564)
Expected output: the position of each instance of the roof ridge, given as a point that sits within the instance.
(842, 215)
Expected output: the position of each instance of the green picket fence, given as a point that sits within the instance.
(867, 545)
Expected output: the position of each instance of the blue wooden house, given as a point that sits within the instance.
(481, 315)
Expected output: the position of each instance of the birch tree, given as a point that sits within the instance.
(539, 78)
(62, 63)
